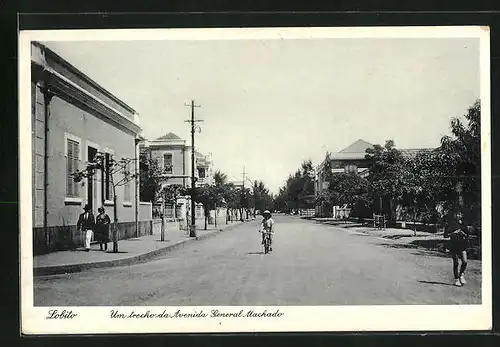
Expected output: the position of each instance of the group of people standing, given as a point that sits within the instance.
(98, 225)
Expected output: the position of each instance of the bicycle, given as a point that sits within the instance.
(267, 241)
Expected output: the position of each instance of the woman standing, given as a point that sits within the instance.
(102, 225)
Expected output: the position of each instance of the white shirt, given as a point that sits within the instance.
(268, 224)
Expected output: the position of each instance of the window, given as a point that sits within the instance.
(351, 169)
(167, 163)
(72, 159)
(201, 172)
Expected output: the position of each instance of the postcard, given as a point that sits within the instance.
(255, 180)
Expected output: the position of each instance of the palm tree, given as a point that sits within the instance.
(222, 188)
(220, 178)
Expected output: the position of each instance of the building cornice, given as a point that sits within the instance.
(61, 86)
(54, 60)
(154, 143)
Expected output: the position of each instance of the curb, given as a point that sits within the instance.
(140, 258)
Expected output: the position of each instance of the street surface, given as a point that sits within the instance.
(312, 264)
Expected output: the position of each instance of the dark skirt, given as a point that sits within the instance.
(102, 233)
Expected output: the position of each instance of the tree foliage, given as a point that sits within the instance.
(298, 191)
(429, 186)
(149, 178)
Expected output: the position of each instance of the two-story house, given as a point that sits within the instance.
(73, 119)
(173, 156)
(351, 159)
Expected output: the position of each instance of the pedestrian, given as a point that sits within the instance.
(86, 223)
(459, 242)
(102, 222)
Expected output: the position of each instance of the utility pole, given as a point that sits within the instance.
(242, 193)
(192, 229)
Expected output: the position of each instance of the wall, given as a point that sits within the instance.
(145, 211)
(61, 238)
(66, 118)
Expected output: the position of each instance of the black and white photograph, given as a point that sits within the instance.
(284, 179)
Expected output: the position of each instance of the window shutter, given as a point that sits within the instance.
(70, 168)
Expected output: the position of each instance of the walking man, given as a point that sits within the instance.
(459, 242)
(86, 224)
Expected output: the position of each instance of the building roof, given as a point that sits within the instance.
(360, 146)
(356, 150)
(411, 152)
(169, 136)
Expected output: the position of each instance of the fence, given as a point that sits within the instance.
(307, 212)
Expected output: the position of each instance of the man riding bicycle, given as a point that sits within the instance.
(267, 225)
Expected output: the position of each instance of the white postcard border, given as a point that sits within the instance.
(294, 318)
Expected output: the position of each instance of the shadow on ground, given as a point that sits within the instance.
(433, 282)
(399, 245)
(400, 236)
(434, 247)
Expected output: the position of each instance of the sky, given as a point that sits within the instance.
(268, 105)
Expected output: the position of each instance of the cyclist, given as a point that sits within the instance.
(267, 225)
(459, 242)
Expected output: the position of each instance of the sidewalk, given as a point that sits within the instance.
(404, 237)
(130, 251)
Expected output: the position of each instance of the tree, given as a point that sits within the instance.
(220, 178)
(425, 184)
(326, 198)
(385, 176)
(463, 150)
(298, 191)
(149, 178)
(208, 196)
(262, 199)
(349, 189)
(171, 193)
(220, 182)
(119, 174)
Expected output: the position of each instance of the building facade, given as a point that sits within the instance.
(173, 156)
(350, 159)
(74, 119)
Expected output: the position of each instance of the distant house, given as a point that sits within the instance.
(204, 172)
(74, 118)
(174, 158)
(351, 159)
